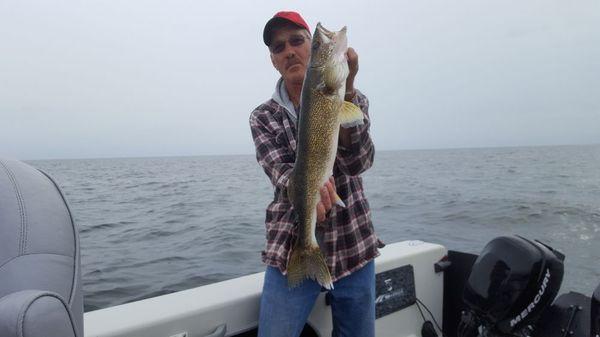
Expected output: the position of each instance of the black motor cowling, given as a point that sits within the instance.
(511, 283)
(595, 313)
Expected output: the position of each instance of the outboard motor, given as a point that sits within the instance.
(595, 314)
(511, 283)
(40, 278)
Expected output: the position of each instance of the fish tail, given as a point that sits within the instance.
(308, 263)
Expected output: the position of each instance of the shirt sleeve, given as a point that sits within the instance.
(276, 159)
(357, 158)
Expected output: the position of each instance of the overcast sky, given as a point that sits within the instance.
(86, 79)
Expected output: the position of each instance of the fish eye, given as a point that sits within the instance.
(316, 45)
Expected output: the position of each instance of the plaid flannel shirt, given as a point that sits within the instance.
(346, 237)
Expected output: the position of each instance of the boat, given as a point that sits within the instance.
(422, 289)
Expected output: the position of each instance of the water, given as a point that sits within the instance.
(151, 226)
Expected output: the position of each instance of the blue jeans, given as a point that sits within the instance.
(284, 311)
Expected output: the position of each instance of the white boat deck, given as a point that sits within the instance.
(234, 303)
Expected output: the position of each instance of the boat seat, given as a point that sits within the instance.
(40, 274)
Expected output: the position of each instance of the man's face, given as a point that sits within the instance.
(290, 52)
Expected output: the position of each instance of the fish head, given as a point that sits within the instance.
(328, 47)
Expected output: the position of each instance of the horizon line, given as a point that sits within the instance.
(251, 154)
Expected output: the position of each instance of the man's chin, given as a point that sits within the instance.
(297, 77)
(295, 71)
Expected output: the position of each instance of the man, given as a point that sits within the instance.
(345, 235)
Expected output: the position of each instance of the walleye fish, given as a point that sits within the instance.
(322, 111)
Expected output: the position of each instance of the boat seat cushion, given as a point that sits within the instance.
(39, 252)
(34, 313)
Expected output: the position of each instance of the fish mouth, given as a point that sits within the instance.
(339, 35)
(338, 39)
(324, 30)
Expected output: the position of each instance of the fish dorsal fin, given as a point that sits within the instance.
(351, 115)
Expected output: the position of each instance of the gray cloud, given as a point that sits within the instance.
(145, 78)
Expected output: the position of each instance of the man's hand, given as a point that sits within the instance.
(328, 196)
(352, 57)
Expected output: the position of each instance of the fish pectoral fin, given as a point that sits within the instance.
(339, 201)
(351, 115)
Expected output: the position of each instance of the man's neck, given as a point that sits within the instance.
(294, 89)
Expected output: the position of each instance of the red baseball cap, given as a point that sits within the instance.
(280, 17)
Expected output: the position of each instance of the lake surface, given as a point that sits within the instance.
(151, 226)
